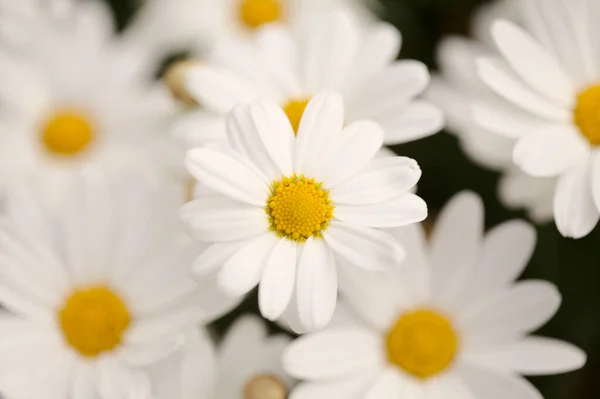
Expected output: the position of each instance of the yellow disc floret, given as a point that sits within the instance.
(422, 343)
(587, 114)
(255, 13)
(299, 208)
(294, 109)
(93, 320)
(67, 133)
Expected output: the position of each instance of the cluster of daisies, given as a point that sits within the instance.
(134, 212)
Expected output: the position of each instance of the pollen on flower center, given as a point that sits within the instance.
(93, 320)
(294, 109)
(254, 13)
(67, 133)
(299, 208)
(423, 343)
(587, 114)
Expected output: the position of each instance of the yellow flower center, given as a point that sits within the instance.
(93, 320)
(254, 13)
(299, 208)
(422, 343)
(587, 114)
(67, 133)
(294, 110)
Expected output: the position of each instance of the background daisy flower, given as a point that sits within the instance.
(290, 68)
(96, 291)
(78, 99)
(247, 361)
(452, 323)
(287, 206)
(455, 90)
(549, 71)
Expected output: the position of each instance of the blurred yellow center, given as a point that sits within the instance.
(255, 13)
(67, 133)
(587, 114)
(299, 208)
(93, 320)
(422, 343)
(294, 110)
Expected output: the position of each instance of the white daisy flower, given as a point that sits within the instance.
(76, 99)
(181, 24)
(288, 68)
(288, 205)
(549, 71)
(455, 90)
(451, 324)
(247, 362)
(96, 291)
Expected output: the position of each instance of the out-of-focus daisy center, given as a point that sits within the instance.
(67, 133)
(422, 343)
(587, 114)
(93, 320)
(265, 386)
(299, 208)
(294, 109)
(255, 13)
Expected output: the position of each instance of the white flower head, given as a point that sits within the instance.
(76, 98)
(96, 291)
(246, 358)
(457, 91)
(287, 205)
(546, 81)
(453, 323)
(289, 68)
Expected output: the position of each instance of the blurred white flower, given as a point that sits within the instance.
(288, 68)
(96, 291)
(286, 206)
(456, 90)
(169, 25)
(78, 98)
(246, 356)
(453, 323)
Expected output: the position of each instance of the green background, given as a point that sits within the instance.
(574, 266)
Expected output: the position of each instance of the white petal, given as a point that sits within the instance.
(512, 312)
(490, 385)
(116, 381)
(218, 89)
(243, 271)
(400, 211)
(261, 132)
(316, 286)
(534, 356)
(277, 281)
(416, 121)
(496, 76)
(549, 153)
(228, 175)
(381, 180)
(214, 257)
(449, 384)
(506, 120)
(367, 248)
(596, 178)
(219, 218)
(533, 63)
(357, 145)
(455, 243)
(575, 211)
(389, 384)
(320, 127)
(380, 47)
(333, 353)
(279, 50)
(343, 388)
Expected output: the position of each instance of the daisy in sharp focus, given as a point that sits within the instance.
(96, 291)
(246, 365)
(456, 91)
(290, 68)
(549, 72)
(453, 323)
(287, 206)
(76, 98)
